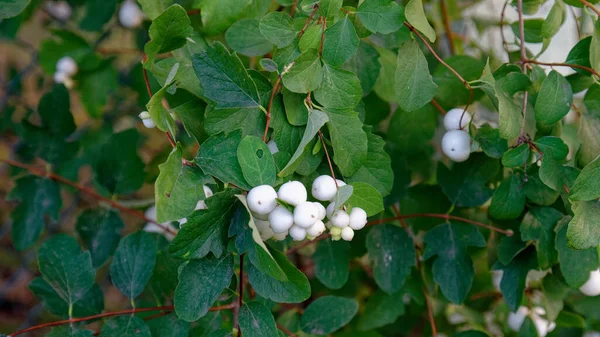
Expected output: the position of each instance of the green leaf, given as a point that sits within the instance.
(250, 120)
(278, 28)
(85, 304)
(393, 255)
(153, 8)
(413, 84)
(340, 89)
(257, 321)
(218, 157)
(12, 8)
(555, 290)
(268, 64)
(125, 326)
(248, 241)
(133, 263)
(536, 190)
(119, 168)
(516, 156)
(587, 184)
(514, 275)
(160, 115)
(381, 16)
(451, 91)
(595, 47)
(554, 20)
(554, 99)
(68, 331)
(169, 326)
(66, 269)
(295, 289)
(575, 264)
(510, 119)
(206, 229)
(348, 139)
(453, 268)
(580, 55)
(466, 184)
(411, 131)
(245, 37)
(169, 31)
(224, 78)
(332, 263)
(381, 309)
(376, 170)
(96, 87)
(98, 12)
(100, 230)
(256, 161)
(538, 225)
(552, 146)
(508, 200)
(38, 197)
(311, 39)
(533, 30)
(385, 84)
(295, 110)
(316, 120)
(415, 15)
(328, 314)
(366, 197)
(584, 228)
(589, 127)
(217, 15)
(330, 8)
(306, 74)
(365, 65)
(200, 284)
(340, 42)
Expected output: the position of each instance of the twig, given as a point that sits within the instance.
(446, 21)
(504, 43)
(323, 36)
(193, 11)
(558, 64)
(50, 175)
(315, 7)
(275, 88)
(294, 4)
(523, 61)
(286, 331)
(438, 107)
(328, 158)
(590, 6)
(464, 82)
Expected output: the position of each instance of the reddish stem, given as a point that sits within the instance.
(286, 331)
(438, 107)
(590, 6)
(553, 64)
(446, 20)
(273, 93)
(315, 7)
(294, 4)
(193, 11)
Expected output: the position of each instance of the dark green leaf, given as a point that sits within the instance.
(381, 309)
(218, 15)
(328, 314)
(552, 146)
(451, 91)
(11, 8)
(100, 230)
(340, 42)
(365, 64)
(514, 275)
(575, 264)
(68, 331)
(133, 263)
(516, 156)
(257, 321)
(332, 263)
(411, 132)
(376, 170)
(256, 161)
(169, 326)
(153, 8)
(587, 184)
(538, 225)
(381, 16)
(85, 304)
(348, 139)
(278, 28)
(413, 83)
(98, 12)
(245, 38)
(340, 89)
(584, 228)
(490, 141)
(306, 74)
(533, 30)
(580, 55)
(200, 284)
(96, 87)
(554, 99)
(508, 200)
(125, 326)
(366, 197)
(453, 268)
(119, 168)
(169, 31)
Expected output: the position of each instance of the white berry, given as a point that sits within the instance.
(59, 9)
(292, 192)
(262, 225)
(592, 286)
(66, 65)
(207, 192)
(322, 210)
(330, 210)
(306, 214)
(340, 219)
(358, 218)
(272, 146)
(146, 119)
(456, 144)
(323, 188)
(317, 229)
(297, 233)
(347, 233)
(452, 119)
(266, 234)
(262, 199)
(281, 219)
(264, 217)
(280, 236)
(130, 15)
(516, 319)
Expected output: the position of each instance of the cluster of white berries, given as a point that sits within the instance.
(130, 14)
(288, 211)
(542, 325)
(456, 143)
(66, 67)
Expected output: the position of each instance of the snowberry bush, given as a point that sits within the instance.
(266, 168)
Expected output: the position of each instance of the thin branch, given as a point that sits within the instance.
(446, 21)
(328, 158)
(555, 64)
(315, 7)
(504, 43)
(523, 62)
(323, 36)
(590, 6)
(438, 107)
(193, 11)
(286, 331)
(273, 93)
(294, 4)
(307, 243)
(464, 82)
(108, 314)
(50, 175)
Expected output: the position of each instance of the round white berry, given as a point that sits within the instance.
(317, 229)
(262, 225)
(358, 218)
(66, 65)
(456, 144)
(207, 191)
(281, 219)
(266, 234)
(516, 319)
(340, 219)
(262, 199)
(322, 210)
(330, 210)
(347, 233)
(452, 119)
(130, 15)
(272, 146)
(59, 77)
(264, 217)
(292, 192)
(306, 214)
(297, 233)
(280, 236)
(592, 286)
(149, 123)
(59, 9)
(323, 188)
(335, 231)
